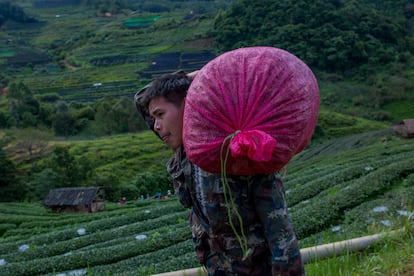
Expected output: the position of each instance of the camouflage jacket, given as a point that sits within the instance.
(260, 202)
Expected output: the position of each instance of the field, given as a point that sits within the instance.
(359, 182)
(339, 189)
(119, 52)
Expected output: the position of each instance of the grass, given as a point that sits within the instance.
(393, 255)
(401, 109)
(84, 37)
(336, 124)
(129, 154)
(336, 162)
(339, 189)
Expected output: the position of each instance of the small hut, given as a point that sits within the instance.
(75, 199)
(405, 128)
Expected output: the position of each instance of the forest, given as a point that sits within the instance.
(333, 36)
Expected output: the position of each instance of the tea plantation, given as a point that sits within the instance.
(339, 189)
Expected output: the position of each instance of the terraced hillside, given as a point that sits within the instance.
(73, 47)
(336, 190)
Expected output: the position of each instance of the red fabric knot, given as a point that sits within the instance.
(268, 94)
(254, 144)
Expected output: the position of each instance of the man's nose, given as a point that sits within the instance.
(157, 125)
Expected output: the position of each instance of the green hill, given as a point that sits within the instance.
(69, 70)
(342, 188)
(360, 51)
(74, 69)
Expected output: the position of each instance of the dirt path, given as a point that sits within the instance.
(69, 66)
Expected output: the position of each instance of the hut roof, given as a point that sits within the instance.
(405, 128)
(72, 196)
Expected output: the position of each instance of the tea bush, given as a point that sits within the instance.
(339, 189)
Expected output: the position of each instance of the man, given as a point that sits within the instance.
(272, 246)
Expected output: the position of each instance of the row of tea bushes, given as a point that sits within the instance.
(327, 208)
(311, 186)
(171, 258)
(98, 221)
(115, 235)
(333, 194)
(391, 211)
(324, 182)
(156, 240)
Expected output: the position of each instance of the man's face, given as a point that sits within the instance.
(168, 121)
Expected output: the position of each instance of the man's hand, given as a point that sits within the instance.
(192, 75)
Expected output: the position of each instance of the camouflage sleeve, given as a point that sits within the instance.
(180, 170)
(271, 208)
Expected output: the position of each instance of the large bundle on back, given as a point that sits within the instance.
(258, 104)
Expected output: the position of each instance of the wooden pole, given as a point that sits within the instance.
(309, 254)
(323, 251)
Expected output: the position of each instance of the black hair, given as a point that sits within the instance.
(173, 87)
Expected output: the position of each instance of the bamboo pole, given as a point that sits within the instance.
(323, 251)
(309, 254)
(198, 271)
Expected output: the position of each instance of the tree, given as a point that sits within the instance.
(330, 35)
(42, 182)
(8, 170)
(11, 187)
(5, 120)
(150, 182)
(71, 171)
(11, 11)
(64, 122)
(103, 118)
(32, 141)
(103, 6)
(24, 108)
(65, 165)
(117, 116)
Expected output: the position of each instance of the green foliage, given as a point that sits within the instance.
(64, 123)
(10, 11)
(102, 232)
(152, 183)
(24, 107)
(329, 35)
(108, 116)
(4, 227)
(401, 109)
(49, 98)
(5, 120)
(339, 182)
(117, 116)
(155, 7)
(112, 6)
(128, 165)
(71, 172)
(332, 124)
(124, 156)
(11, 187)
(42, 182)
(333, 182)
(320, 213)
(106, 241)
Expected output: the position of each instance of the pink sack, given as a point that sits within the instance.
(260, 102)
